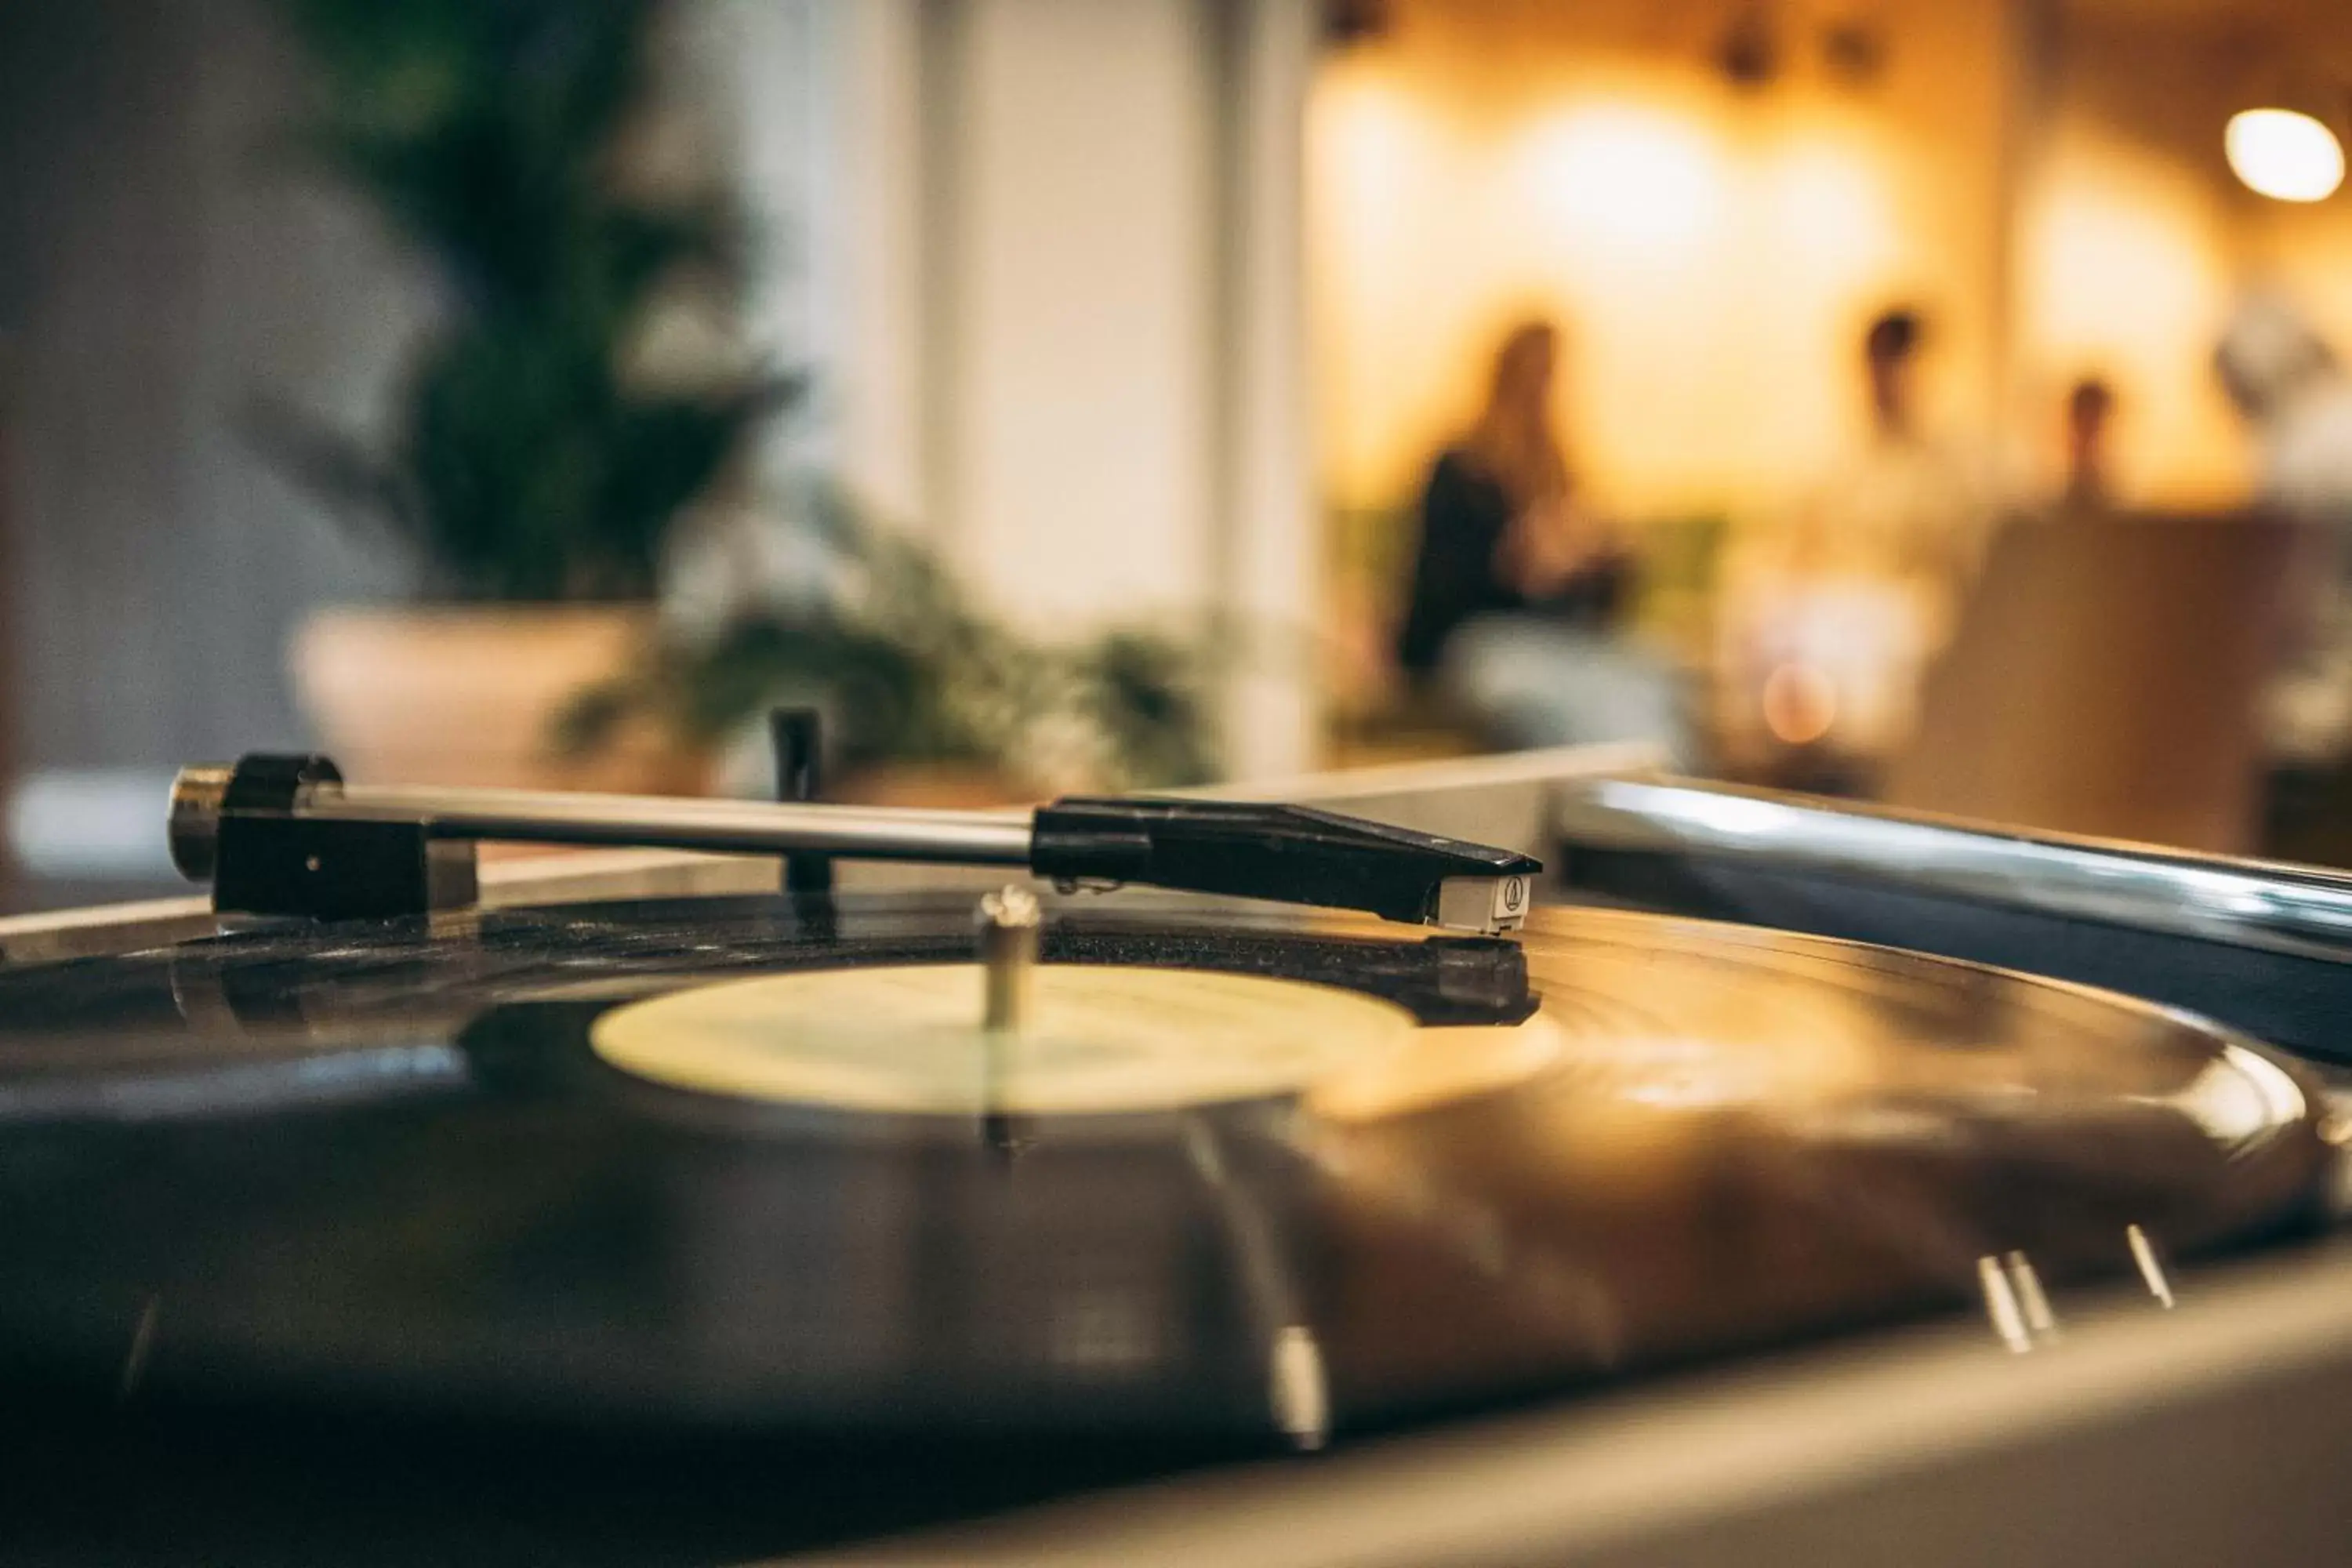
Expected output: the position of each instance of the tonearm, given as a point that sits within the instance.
(285, 835)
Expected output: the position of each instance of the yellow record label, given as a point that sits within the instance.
(1100, 1039)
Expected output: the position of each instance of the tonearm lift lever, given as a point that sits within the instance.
(286, 835)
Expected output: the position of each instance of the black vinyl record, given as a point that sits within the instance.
(1260, 1179)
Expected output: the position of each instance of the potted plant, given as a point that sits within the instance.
(926, 699)
(540, 457)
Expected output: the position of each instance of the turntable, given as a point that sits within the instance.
(1164, 1180)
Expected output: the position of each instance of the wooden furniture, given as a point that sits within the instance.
(2105, 680)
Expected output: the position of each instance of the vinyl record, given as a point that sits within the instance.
(750, 1163)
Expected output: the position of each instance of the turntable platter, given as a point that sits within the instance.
(1273, 1178)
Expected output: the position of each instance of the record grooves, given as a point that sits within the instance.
(1703, 1138)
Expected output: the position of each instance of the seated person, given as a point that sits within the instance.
(2090, 422)
(1516, 586)
(1831, 614)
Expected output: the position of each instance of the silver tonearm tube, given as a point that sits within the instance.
(659, 822)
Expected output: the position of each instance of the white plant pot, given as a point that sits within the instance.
(471, 694)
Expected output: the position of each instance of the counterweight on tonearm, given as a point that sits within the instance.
(285, 835)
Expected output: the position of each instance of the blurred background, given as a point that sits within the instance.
(1932, 401)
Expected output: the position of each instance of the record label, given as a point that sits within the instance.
(1103, 1040)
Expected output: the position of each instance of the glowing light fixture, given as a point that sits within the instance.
(2284, 154)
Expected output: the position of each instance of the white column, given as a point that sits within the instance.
(777, 125)
(1079, 310)
(1270, 554)
(880, 368)
(823, 121)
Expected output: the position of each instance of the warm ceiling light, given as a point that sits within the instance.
(2286, 155)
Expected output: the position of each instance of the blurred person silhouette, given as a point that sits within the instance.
(2296, 399)
(1516, 585)
(2090, 421)
(1830, 614)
